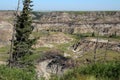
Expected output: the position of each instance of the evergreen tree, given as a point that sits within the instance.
(93, 34)
(22, 45)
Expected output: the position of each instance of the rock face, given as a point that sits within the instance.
(53, 63)
(90, 44)
(6, 16)
(6, 27)
(107, 23)
(5, 33)
(49, 40)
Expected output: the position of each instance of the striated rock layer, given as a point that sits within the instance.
(106, 23)
(5, 33)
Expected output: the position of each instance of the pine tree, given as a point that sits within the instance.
(22, 45)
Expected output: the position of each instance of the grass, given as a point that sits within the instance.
(4, 53)
(4, 49)
(77, 77)
(110, 70)
(112, 38)
(7, 73)
(98, 71)
(90, 35)
(111, 55)
(43, 33)
(63, 47)
(81, 35)
(40, 33)
(42, 49)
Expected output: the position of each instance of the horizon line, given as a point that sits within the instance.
(66, 10)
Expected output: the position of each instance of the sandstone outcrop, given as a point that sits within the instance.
(49, 40)
(90, 44)
(53, 62)
(5, 33)
(106, 23)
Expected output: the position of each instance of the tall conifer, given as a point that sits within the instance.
(22, 44)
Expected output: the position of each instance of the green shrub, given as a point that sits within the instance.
(106, 70)
(98, 71)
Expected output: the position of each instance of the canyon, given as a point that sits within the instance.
(104, 23)
(67, 38)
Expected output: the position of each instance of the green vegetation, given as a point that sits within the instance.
(40, 33)
(7, 73)
(42, 49)
(63, 47)
(22, 45)
(98, 71)
(112, 37)
(4, 53)
(111, 55)
(79, 36)
(4, 49)
(24, 54)
(21, 66)
(82, 35)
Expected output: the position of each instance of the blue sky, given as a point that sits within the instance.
(69, 5)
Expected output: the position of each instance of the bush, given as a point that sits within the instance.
(107, 70)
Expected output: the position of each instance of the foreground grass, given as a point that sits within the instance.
(98, 71)
(4, 53)
(7, 73)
